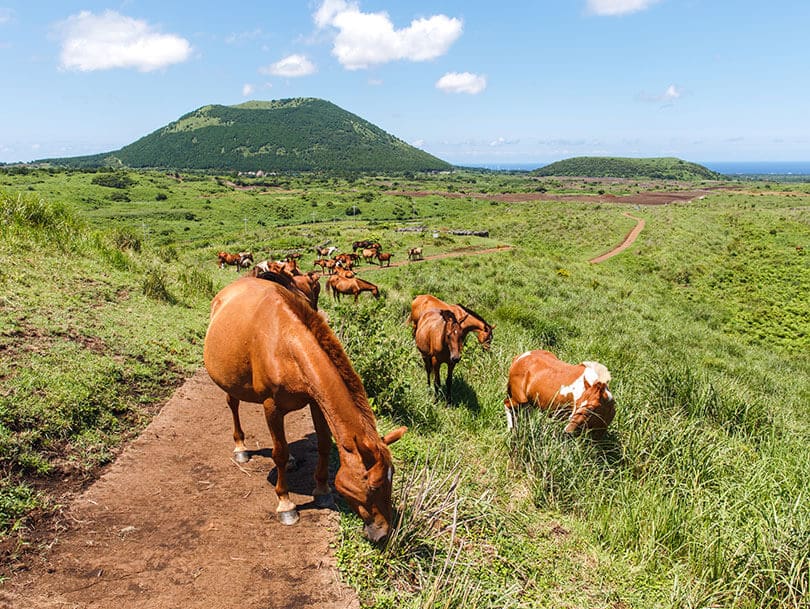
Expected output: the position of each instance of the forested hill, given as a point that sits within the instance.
(665, 168)
(303, 134)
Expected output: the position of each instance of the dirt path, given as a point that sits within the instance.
(628, 240)
(175, 523)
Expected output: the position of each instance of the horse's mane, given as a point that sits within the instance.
(602, 373)
(473, 313)
(330, 344)
(283, 280)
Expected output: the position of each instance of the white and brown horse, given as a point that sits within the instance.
(470, 320)
(579, 391)
(439, 340)
(265, 344)
(242, 260)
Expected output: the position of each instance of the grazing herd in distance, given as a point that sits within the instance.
(536, 378)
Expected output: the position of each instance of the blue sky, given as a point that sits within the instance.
(471, 82)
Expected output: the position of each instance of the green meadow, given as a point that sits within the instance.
(697, 496)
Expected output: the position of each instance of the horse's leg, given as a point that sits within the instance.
(428, 367)
(437, 371)
(322, 493)
(356, 294)
(240, 453)
(450, 366)
(286, 511)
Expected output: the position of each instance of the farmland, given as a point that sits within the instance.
(696, 498)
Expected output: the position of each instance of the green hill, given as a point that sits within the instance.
(303, 134)
(664, 168)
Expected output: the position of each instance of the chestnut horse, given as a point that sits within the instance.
(438, 338)
(242, 260)
(470, 320)
(341, 284)
(539, 378)
(266, 345)
(384, 257)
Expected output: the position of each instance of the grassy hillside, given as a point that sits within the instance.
(303, 134)
(697, 497)
(666, 168)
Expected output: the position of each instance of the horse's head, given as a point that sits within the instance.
(366, 484)
(453, 335)
(485, 337)
(594, 410)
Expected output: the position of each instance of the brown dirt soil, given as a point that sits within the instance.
(175, 523)
(628, 241)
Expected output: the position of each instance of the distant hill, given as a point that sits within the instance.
(302, 134)
(664, 168)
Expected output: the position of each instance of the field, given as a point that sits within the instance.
(697, 497)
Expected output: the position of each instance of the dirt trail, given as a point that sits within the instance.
(175, 523)
(628, 240)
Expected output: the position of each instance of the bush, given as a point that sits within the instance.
(113, 180)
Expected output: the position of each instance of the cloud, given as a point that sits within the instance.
(290, 67)
(247, 89)
(618, 7)
(6, 15)
(418, 143)
(111, 40)
(464, 82)
(502, 141)
(669, 96)
(366, 39)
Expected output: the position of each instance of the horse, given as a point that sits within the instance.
(470, 320)
(240, 260)
(327, 265)
(265, 344)
(358, 245)
(384, 257)
(324, 251)
(309, 283)
(438, 338)
(340, 284)
(345, 261)
(539, 378)
(369, 254)
(415, 253)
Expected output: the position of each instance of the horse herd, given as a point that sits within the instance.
(267, 343)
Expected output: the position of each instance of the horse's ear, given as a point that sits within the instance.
(492, 327)
(393, 436)
(448, 315)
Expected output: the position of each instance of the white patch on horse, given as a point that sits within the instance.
(509, 422)
(390, 474)
(522, 355)
(577, 388)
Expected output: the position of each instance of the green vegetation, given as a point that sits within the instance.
(696, 498)
(286, 135)
(666, 168)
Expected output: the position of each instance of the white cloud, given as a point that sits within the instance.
(366, 39)
(247, 89)
(672, 93)
(111, 40)
(420, 143)
(463, 82)
(290, 67)
(618, 7)
(6, 15)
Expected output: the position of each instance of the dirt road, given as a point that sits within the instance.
(175, 523)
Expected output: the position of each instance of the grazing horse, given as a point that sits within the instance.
(266, 345)
(309, 283)
(470, 320)
(327, 265)
(369, 254)
(539, 378)
(242, 260)
(415, 253)
(345, 261)
(438, 338)
(358, 245)
(340, 284)
(385, 257)
(325, 252)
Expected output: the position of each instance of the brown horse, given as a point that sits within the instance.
(384, 257)
(470, 320)
(242, 260)
(340, 284)
(266, 345)
(438, 338)
(309, 283)
(415, 253)
(539, 378)
(369, 254)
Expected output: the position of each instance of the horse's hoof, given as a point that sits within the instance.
(241, 456)
(288, 518)
(324, 501)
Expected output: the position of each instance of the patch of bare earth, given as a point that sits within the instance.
(174, 522)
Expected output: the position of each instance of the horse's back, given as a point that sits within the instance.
(538, 375)
(422, 303)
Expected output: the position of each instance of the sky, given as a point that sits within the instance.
(471, 82)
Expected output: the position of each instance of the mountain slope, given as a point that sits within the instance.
(665, 168)
(302, 134)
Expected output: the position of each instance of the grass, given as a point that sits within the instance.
(696, 497)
